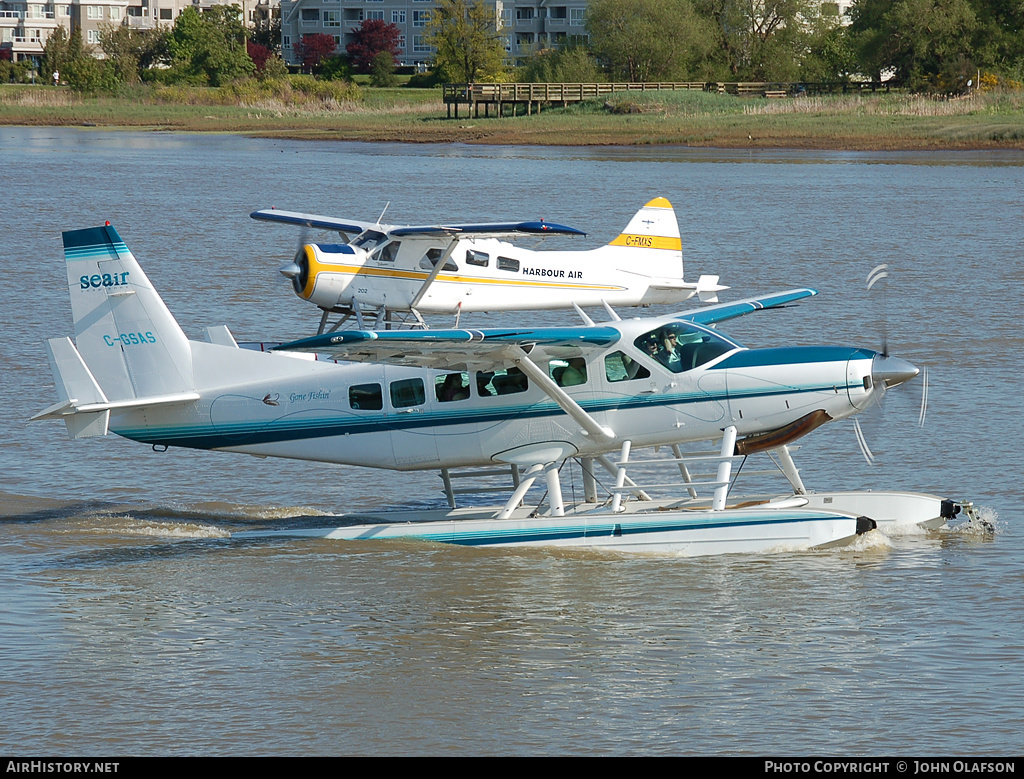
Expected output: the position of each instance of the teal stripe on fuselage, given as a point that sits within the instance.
(791, 355)
(249, 433)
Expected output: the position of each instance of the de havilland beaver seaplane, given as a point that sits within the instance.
(390, 270)
(529, 398)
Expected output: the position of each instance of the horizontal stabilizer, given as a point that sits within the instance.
(708, 289)
(82, 404)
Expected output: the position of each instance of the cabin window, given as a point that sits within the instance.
(369, 240)
(568, 373)
(451, 386)
(680, 348)
(366, 397)
(482, 259)
(407, 392)
(503, 382)
(620, 367)
(507, 263)
(388, 253)
(431, 258)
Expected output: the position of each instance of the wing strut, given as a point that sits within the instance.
(557, 394)
(433, 274)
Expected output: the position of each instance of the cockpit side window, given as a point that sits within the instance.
(388, 253)
(681, 348)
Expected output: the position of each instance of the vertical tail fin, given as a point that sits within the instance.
(126, 336)
(654, 233)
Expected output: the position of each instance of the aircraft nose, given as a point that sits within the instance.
(291, 270)
(891, 370)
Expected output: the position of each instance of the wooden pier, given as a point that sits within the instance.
(525, 99)
(531, 97)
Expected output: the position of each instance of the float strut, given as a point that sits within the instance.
(724, 468)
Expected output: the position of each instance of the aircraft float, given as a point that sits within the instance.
(528, 399)
(389, 270)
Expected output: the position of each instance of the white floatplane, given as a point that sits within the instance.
(387, 270)
(526, 398)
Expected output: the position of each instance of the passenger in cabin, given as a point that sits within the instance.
(454, 387)
(573, 374)
(670, 356)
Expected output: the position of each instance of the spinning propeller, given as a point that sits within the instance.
(888, 372)
(297, 271)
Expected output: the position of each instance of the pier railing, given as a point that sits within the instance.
(512, 98)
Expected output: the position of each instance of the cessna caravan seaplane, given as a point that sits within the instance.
(455, 268)
(528, 398)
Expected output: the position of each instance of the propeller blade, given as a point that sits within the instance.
(862, 442)
(924, 397)
(877, 274)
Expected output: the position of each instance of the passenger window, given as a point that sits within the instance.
(503, 382)
(568, 373)
(366, 397)
(620, 367)
(431, 258)
(407, 392)
(482, 259)
(506, 263)
(451, 386)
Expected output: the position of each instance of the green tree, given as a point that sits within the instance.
(570, 64)
(382, 70)
(56, 53)
(926, 43)
(650, 40)
(209, 47)
(132, 51)
(761, 40)
(468, 46)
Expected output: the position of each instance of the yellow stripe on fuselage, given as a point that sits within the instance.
(648, 242)
(388, 273)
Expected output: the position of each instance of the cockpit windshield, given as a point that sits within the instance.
(369, 240)
(681, 347)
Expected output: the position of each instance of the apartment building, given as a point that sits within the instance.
(525, 26)
(25, 25)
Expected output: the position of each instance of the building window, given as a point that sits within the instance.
(166, 14)
(114, 13)
(576, 17)
(93, 12)
(92, 37)
(419, 45)
(332, 18)
(420, 19)
(398, 16)
(375, 15)
(286, 41)
(310, 15)
(524, 14)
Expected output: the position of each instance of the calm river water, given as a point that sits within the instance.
(132, 623)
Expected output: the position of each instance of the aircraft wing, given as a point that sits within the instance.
(445, 230)
(312, 220)
(713, 314)
(440, 349)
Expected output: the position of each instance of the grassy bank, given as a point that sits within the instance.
(873, 122)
